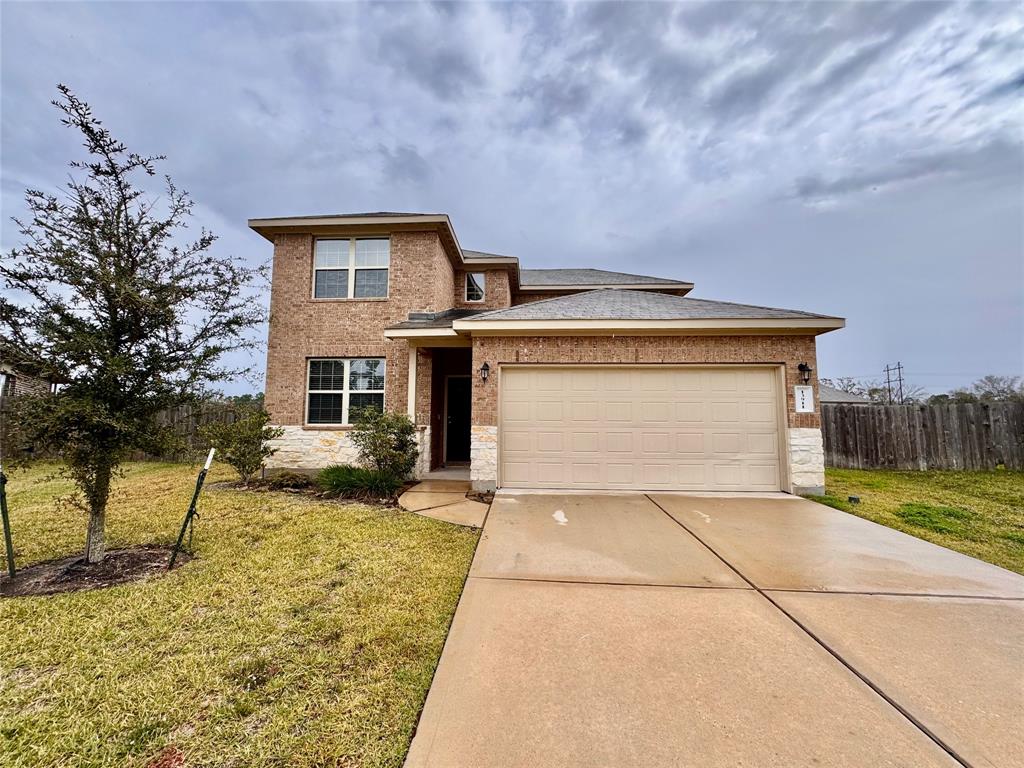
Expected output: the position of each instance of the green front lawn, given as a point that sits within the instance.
(305, 633)
(978, 513)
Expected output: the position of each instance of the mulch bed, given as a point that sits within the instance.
(267, 486)
(72, 574)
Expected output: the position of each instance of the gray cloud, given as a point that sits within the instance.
(404, 163)
(734, 144)
(987, 162)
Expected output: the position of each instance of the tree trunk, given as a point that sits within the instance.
(96, 536)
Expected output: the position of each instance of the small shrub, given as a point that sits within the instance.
(386, 442)
(346, 480)
(290, 481)
(243, 444)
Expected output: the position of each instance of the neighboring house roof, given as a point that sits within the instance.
(827, 394)
(625, 304)
(537, 278)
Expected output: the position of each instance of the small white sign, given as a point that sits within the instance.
(804, 399)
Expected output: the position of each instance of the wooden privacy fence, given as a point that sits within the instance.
(920, 437)
(185, 420)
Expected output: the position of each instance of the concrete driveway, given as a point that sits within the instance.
(675, 630)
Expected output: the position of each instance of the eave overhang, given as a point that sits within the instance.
(350, 226)
(716, 326)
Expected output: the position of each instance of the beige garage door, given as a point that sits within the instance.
(656, 427)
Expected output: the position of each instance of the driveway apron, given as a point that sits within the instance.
(670, 630)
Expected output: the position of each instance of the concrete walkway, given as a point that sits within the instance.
(444, 500)
(672, 630)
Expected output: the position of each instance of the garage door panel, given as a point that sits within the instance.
(548, 411)
(618, 442)
(760, 412)
(586, 442)
(655, 443)
(618, 411)
(583, 410)
(690, 412)
(726, 412)
(763, 443)
(690, 443)
(516, 411)
(655, 412)
(549, 442)
(640, 428)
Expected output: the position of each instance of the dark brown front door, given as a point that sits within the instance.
(457, 418)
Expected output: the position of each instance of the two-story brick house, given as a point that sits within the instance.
(546, 378)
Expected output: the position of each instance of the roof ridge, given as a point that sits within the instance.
(654, 278)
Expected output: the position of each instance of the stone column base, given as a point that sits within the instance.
(806, 461)
(483, 457)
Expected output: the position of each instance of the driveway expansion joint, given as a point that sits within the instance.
(660, 585)
(875, 593)
(825, 646)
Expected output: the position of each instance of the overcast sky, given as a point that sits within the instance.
(862, 160)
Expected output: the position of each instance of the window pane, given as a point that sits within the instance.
(331, 284)
(371, 282)
(475, 286)
(358, 401)
(327, 374)
(325, 409)
(373, 253)
(331, 253)
(366, 374)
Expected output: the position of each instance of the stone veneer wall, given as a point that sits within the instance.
(483, 457)
(309, 449)
(807, 460)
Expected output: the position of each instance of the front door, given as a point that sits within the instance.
(457, 415)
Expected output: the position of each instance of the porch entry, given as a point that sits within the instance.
(450, 406)
(457, 410)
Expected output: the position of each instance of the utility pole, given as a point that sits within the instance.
(894, 377)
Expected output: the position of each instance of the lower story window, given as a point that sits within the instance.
(338, 388)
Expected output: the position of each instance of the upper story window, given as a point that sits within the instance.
(475, 286)
(351, 268)
(339, 387)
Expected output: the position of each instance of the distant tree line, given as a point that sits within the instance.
(987, 389)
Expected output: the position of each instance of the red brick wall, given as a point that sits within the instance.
(303, 327)
(525, 297)
(789, 351)
(497, 294)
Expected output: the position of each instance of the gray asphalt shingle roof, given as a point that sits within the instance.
(827, 394)
(435, 320)
(624, 304)
(544, 277)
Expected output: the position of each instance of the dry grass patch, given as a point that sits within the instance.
(305, 633)
(978, 513)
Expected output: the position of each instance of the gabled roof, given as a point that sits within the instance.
(615, 310)
(827, 394)
(531, 278)
(624, 304)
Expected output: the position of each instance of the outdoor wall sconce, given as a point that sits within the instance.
(485, 371)
(805, 372)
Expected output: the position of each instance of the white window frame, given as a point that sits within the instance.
(351, 269)
(483, 288)
(345, 392)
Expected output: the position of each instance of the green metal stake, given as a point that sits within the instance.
(187, 522)
(8, 542)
